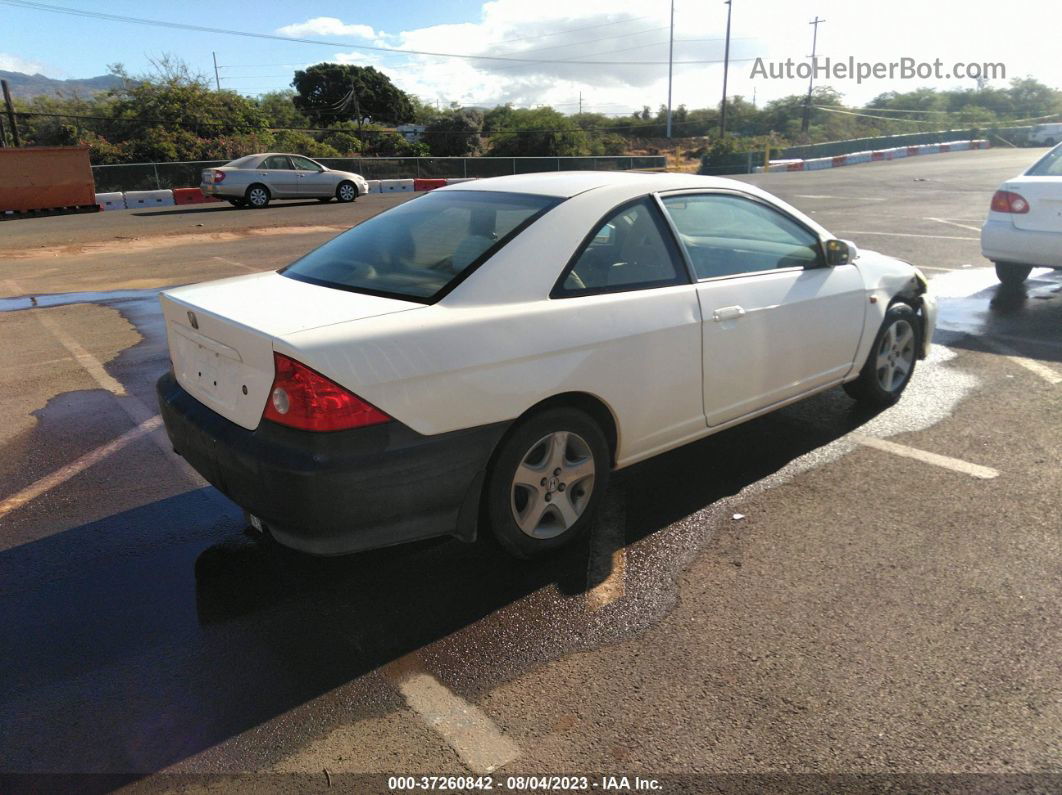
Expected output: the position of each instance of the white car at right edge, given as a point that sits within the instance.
(1024, 225)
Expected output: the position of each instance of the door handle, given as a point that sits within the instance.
(728, 313)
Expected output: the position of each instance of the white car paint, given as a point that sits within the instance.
(1035, 237)
(497, 345)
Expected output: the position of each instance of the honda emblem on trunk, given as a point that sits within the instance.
(192, 319)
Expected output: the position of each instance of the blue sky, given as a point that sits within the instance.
(631, 35)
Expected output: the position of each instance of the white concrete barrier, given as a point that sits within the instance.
(396, 185)
(373, 185)
(148, 198)
(111, 201)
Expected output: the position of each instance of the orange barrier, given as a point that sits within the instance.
(45, 178)
(191, 196)
(428, 184)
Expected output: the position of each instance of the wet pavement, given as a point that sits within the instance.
(784, 597)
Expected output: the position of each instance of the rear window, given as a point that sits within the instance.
(243, 162)
(420, 249)
(1050, 165)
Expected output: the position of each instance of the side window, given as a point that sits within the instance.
(277, 162)
(305, 164)
(630, 250)
(726, 235)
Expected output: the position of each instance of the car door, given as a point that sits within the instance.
(279, 176)
(312, 180)
(628, 305)
(776, 321)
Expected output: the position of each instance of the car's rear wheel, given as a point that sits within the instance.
(1050, 142)
(257, 196)
(1012, 274)
(891, 362)
(346, 191)
(546, 482)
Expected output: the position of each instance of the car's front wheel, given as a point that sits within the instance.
(891, 362)
(1011, 274)
(346, 191)
(257, 196)
(546, 482)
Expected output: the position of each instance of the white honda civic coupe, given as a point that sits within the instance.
(483, 356)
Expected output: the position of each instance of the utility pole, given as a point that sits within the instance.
(580, 103)
(670, 58)
(811, 79)
(726, 70)
(3, 143)
(217, 79)
(10, 113)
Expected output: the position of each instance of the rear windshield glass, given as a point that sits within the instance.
(1050, 165)
(243, 162)
(418, 249)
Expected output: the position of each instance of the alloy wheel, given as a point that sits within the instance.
(552, 485)
(896, 356)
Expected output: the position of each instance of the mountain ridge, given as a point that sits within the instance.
(25, 86)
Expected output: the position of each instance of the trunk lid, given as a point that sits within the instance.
(1044, 195)
(221, 334)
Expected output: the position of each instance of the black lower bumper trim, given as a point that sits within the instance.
(339, 492)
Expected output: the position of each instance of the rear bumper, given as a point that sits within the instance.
(341, 492)
(1001, 241)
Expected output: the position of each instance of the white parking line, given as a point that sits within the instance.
(1032, 365)
(465, 727)
(64, 474)
(904, 234)
(90, 363)
(608, 560)
(953, 223)
(954, 464)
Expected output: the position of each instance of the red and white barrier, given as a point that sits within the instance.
(192, 196)
(895, 153)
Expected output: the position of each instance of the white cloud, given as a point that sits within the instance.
(326, 26)
(633, 32)
(13, 63)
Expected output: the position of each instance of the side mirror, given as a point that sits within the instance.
(840, 252)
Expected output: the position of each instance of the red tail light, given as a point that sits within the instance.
(303, 398)
(1006, 202)
(219, 176)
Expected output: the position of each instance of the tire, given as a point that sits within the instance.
(346, 191)
(1050, 142)
(538, 497)
(1011, 274)
(891, 361)
(257, 196)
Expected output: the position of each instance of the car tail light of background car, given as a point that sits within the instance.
(1006, 201)
(303, 398)
(219, 176)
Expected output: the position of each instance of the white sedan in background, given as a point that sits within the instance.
(483, 356)
(1024, 225)
(254, 180)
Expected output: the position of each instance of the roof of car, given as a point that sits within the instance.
(569, 183)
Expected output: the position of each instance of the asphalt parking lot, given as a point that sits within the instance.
(820, 591)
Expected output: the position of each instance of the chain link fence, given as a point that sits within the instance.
(157, 176)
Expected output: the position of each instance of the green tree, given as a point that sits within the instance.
(454, 133)
(539, 132)
(278, 109)
(332, 92)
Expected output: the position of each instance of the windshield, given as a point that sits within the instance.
(1050, 165)
(421, 248)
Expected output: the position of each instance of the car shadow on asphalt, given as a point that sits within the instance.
(1022, 319)
(166, 631)
(215, 207)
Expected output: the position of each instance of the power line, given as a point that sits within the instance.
(30, 4)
